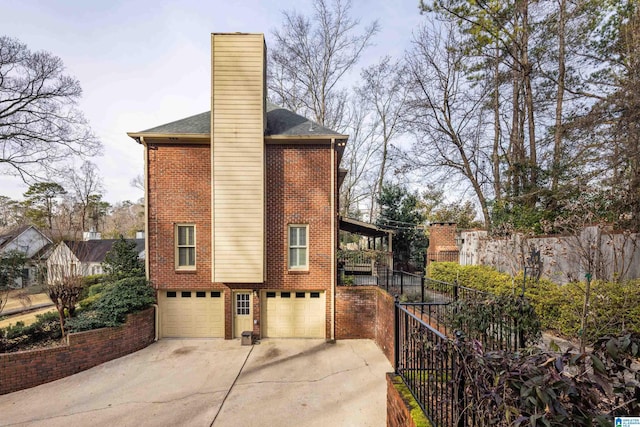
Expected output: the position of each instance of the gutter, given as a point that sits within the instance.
(333, 241)
(146, 232)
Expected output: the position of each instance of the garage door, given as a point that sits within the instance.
(192, 314)
(294, 314)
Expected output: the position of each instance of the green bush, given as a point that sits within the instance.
(614, 307)
(94, 279)
(123, 297)
(96, 289)
(85, 321)
(89, 302)
(46, 326)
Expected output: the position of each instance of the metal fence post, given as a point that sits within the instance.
(422, 288)
(401, 283)
(396, 334)
(458, 374)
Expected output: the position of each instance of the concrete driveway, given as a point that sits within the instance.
(216, 383)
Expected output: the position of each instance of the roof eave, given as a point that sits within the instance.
(169, 138)
(292, 139)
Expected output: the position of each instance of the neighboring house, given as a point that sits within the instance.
(33, 244)
(83, 258)
(242, 209)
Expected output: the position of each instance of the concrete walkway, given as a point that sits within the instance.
(216, 383)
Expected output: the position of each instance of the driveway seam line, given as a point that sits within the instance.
(231, 388)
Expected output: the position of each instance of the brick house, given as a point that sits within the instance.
(241, 210)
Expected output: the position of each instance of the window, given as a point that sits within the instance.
(242, 304)
(201, 294)
(185, 247)
(186, 294)
(215, 294)
(171, 294)
(298, 247)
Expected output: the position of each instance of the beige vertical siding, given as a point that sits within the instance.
(237, 139)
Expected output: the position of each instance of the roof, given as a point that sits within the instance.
(7, 237)
(280, 122)
(96, 250)
(362, 228)
(12, 234)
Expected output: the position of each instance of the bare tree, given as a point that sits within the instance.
(87, 188)
(358, 189)
(445, 111)
(137, 182)
(311, 55)
(385, 93)
(125, 218)
(40, 126)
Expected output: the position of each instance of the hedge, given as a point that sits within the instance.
(614, 307)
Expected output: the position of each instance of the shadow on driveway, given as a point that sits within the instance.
(194, 382)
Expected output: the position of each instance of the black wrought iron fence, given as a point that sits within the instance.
(481, 316)
(429, 362)
(453, 291)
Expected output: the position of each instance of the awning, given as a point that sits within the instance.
(362, 228)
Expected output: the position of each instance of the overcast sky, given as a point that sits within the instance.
(145, 63)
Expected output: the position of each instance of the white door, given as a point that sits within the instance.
(294, 314)
(242, 313)
(191, 314)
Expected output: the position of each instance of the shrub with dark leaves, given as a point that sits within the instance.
(541, 388)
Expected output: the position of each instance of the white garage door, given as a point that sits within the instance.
(294, 314)
(192, 314)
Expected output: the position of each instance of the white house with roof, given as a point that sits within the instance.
(83, 258)
(31, 242)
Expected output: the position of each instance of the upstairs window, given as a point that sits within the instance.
(185, 247)
(298, 247)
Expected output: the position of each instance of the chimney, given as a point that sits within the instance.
(442, 243)
(92, 234)
(238, 124)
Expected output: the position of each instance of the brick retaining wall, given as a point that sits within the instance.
(84, 350)
(402, 408)
(365, 312)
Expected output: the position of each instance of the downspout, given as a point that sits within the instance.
(146, 207)
(146, 233)
(333, 239)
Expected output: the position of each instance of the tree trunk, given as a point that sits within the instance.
(532, 193)
(558, 131)
(497, 130)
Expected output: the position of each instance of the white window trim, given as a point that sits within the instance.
(176, 248)
(305, 267)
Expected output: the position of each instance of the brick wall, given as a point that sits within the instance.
(84, 350)
(366, 312)
(385, 319)
(179, 184)
(402, 409)
(442, 242)
(298, 191)
(356, 312)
